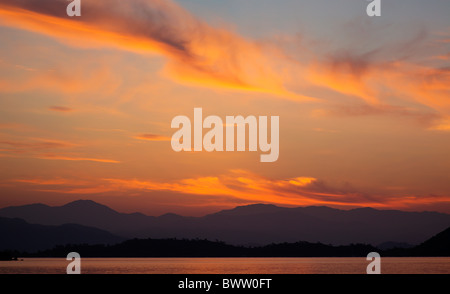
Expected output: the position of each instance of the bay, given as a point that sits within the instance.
(323, 265)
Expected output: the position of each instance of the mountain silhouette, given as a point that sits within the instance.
(391, 245)
(17, 234)
(203, 248)
(438, 245)
(257, 224)
(83, 212)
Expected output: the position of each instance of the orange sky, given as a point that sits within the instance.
(87, 103)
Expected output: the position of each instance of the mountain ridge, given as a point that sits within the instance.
(249, 224)
(17, 234)
(436, 246)
(73, 203)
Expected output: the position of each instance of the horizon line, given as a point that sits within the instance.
(218, 211)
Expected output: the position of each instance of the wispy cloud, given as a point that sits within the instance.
(426, 118)
(75, 158)
(196, 55)
(322, 130)
(60, 79)
(60, 108)
(15, 127)
(26, 68)
(45, 182)
(152, 137)
(37, 144)
(196, 52)
(49, 149)
(240, 186)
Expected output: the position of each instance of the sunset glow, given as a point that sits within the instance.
(86, 104)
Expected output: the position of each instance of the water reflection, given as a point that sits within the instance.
(339, 265)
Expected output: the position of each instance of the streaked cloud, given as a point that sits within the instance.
(45, 182)
(127, 67)
(60, 79)
(196, 52)
(15, 127)
(36, 144)
(49, 149)
(242, 186)
(75, 158)
(152, 137)
(60, 108)
(322, 130)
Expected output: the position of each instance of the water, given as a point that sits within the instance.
(339, 265)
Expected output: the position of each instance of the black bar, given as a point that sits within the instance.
(277, 283)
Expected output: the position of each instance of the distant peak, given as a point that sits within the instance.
(323, 207)
(250, 209)
(32, 205)
(85, 204)
(364, 209)
(256, 206)
(170, 215)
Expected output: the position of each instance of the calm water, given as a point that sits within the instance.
(340, 265)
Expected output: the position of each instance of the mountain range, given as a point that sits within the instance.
(438, 245)
(17, 234)
(257, 224)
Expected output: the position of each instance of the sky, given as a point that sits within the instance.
(86, 103)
